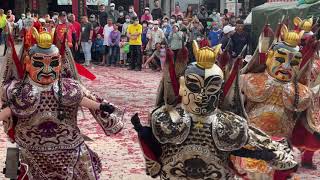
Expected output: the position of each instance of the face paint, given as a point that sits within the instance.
(284, 64)
(44, 69)
(200, 91)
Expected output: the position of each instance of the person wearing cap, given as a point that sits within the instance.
(113, 13)
(134, 33)
(228, 30)
(156, 12)
(63, 27)
(146, 16)
(156, 35)
(240, 38)
(176, 40)
(43, 24)
(93, 20)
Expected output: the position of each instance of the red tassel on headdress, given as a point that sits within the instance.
(309, 50)
(15, 58)
(172, 72)
(233, 76)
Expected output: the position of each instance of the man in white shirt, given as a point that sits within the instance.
(108, 28)
(156, 35)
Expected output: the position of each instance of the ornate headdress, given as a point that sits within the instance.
(305, 25)
(206, 56)
(44, 42)
(291, 38)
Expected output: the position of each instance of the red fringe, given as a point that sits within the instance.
(15, 58)
(172, 71)
(85, 72)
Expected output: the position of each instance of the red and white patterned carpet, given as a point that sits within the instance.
(120, 154)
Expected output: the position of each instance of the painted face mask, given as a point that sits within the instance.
(43, 62)
(44, 68)
(283, 63)
(284, 58)
(201, 86)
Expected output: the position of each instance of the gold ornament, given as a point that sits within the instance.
(291, 38)
(206, 56)
(305, 25)
(44, 39)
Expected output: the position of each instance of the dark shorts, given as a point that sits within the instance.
(106, 49)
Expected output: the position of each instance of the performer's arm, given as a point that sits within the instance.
(90, 104)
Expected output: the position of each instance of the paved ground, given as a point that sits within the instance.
(120, 154)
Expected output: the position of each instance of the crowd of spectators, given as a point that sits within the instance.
(113, 36)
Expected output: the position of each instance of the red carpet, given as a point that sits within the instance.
(120, 154)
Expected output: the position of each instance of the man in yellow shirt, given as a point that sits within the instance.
(134, 34)
(3, 22)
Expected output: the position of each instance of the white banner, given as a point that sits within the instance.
(89, 2)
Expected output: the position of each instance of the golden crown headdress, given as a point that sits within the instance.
(44, 39)
(206, 56)
(305, 25)
(291, 38)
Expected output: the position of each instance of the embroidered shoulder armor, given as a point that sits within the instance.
(255, 86)
(71, 92)
(166, 130)
(22, 98)
(304, 100)
(313, 113)
(229, 131)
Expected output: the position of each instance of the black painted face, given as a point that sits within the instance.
(201, 91)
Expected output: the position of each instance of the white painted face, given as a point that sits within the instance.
(200, 89)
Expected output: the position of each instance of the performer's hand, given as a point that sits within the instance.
(135, 120)
(107, 108)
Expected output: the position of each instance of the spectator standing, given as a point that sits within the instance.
(214, 35)
(156, 35)
(121, 20)
(132, 13)
(21, 22)
(123, 50)
(98, 48)
(125, 25)
(196, 29)
(103, 15)
(93, 20)
(63, 27)
(76, 34)
(173, 20)
(216, 18)
(177, 12)
(176, 40)
(227, 33)
(86, 39)
(55, 17)
(113, 13)
(3, 22)
(145, 40)
(134, 34)
(157, 13)
(146, 16)
(108, 28)
(11, 18)
(240, 38)
(166, 27)
(189, 13)
(203, 16)
(114, 41)
(7, 31)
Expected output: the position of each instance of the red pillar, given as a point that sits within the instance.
(79, 8)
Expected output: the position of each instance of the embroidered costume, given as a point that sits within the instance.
(195, 139)
(40, 115)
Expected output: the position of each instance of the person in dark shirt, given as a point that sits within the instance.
(121, 20)
(157, 11)
(102, 14)
(240, 38)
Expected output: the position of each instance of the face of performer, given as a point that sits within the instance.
(283, 64)
(43, 68)
(200, 89)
